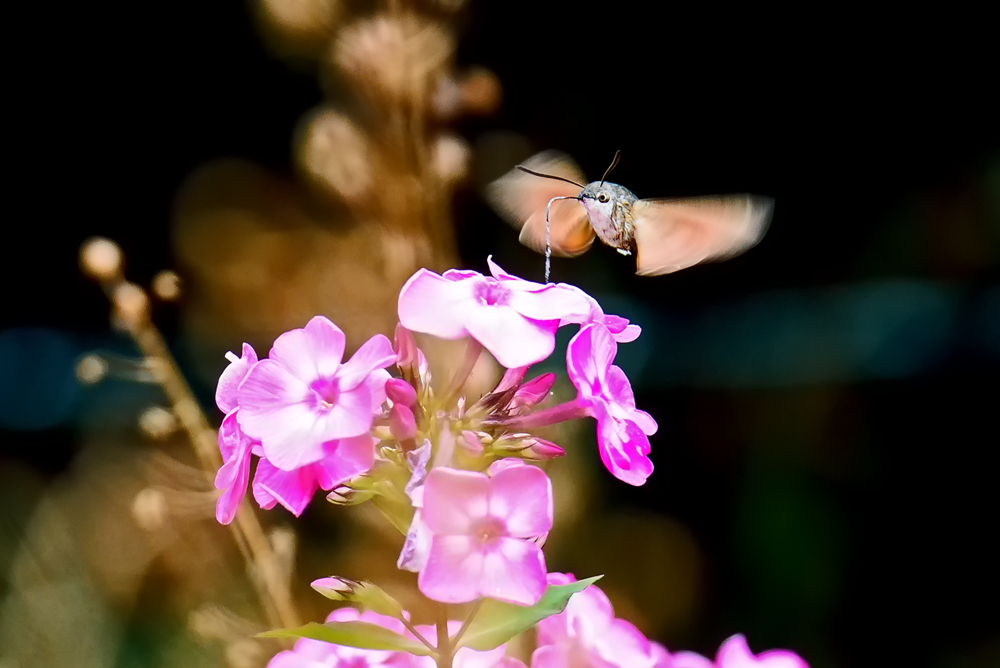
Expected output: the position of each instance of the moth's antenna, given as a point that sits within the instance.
(550, 176)
(548, 244)
(614, 162)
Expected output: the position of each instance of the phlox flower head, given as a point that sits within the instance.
(514, 319)
(588, 635)
(605, 393)
(317, 654)
(301, 401)
(484, 534)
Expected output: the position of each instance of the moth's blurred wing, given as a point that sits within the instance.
(520, 199)
(675, 234)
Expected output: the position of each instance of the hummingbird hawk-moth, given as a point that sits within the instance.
(558, 214)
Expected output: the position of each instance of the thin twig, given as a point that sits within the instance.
(247, 531)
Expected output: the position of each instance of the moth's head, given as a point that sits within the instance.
(600, 197)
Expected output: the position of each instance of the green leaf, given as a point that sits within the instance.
(353, 634)
(497, 622)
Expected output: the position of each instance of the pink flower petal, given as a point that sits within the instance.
(511, 338)
(454, 500)
(347, 458)
(552, 302)
(619, 390)
(376, 385)
(627, 335)
(230, 440)
(232, 376)
(235, 486)
(735, 653)
(291, 431)
(376, 353)
(688, 660)
(514, 571)
(623, 447)
(622, 644)
(292, 489)
(434, 305)
(522, 497)
(453, 570)
(588, 357)
(552, 656)
(312, 352)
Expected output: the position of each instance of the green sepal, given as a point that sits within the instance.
(497, 622)
(362, 635)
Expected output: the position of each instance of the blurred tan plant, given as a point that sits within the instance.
(377, 172)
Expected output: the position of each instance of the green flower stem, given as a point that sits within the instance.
(445, 652)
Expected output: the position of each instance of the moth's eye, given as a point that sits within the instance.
(603, 197)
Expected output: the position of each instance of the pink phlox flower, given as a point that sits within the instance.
(301, 401)
(621, 329)
(234, 475)
(310, 653)
(484, 534)
(735, 653)
(622, 429)
(464, 657)
(347, 458)
(514, 319)
(587, 634)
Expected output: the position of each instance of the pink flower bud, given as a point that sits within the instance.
(336, 588)
(470, 441)
(402, 423)
(400, 392)
(534, 391)
(541, 450)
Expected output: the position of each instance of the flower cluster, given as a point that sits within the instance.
(455, 473)
(588, 634)
(313, 419)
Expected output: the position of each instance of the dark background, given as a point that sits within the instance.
(844, 493)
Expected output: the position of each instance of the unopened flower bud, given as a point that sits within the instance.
(471, 442)
(335, 588)
(540, 450)
(101, 259)
(402, 422)
(348, 496)
(534, 391)
(400, 392)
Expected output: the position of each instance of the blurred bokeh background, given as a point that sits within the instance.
(828, 402)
